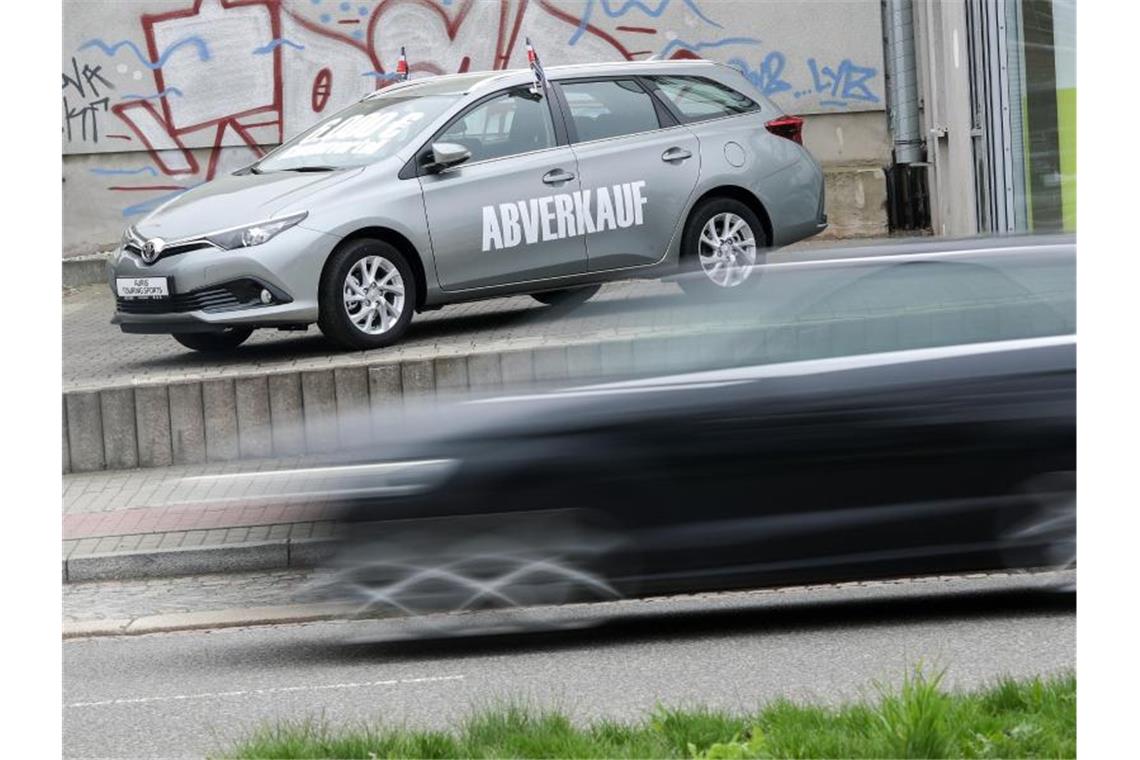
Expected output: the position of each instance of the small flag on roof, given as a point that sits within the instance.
(536, 68)
(402, 66)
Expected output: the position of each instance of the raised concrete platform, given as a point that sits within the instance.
(143, 401)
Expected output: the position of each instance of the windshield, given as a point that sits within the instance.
(361, 134)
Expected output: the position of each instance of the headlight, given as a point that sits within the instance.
(254, 234)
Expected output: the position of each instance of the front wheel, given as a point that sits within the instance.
(214, 342)
(367, 295)
(724, 241)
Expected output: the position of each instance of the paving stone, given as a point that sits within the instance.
(584, 361)
(286, 413)
(617, 357)
(187, 424)
(84, 431)
(484, 371)
(352, 406)
(64, 438)
(254, 421)
(318, 393)
(385, 394)
(152, 420)
(219, 408)
(417, 379)
(517, 367)
(551, 364)
(451, 373)
(120, 441)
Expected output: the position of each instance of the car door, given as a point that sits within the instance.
(501, 216)
(638, 169)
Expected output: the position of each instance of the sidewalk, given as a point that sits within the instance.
(165, 521)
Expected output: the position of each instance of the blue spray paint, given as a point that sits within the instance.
(111, 49)
(610, 10)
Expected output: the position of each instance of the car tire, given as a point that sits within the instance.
(382, 282)
(214, 342)
(566, 299)
(713, 270)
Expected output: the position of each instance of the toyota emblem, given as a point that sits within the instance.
(152, 249)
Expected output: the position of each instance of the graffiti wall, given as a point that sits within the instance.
(161, 95)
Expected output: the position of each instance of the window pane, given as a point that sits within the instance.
(360, 134)
(697, 98)
(514, 122)
(609, 109)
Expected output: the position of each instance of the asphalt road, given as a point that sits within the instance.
(192, 693)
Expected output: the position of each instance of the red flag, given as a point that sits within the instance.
(402, 66)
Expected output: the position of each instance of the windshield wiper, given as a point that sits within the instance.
(311, 169)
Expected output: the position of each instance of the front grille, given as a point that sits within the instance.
(135, 248)
(239, 294)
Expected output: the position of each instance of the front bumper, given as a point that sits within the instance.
(213, 289)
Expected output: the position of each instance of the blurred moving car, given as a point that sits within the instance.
(931, 460)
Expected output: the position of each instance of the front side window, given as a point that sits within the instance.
(361, 134)
(698, 98)
(609, 108)
(508, 124)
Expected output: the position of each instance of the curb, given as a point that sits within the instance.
(190, 621)
(226, 558)
(90, 269)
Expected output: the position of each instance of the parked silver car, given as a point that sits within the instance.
(471, 186)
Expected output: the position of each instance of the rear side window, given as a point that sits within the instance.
(609, 108)
(698, 99)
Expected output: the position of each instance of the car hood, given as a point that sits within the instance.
(237, 199)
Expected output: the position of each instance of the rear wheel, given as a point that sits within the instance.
(214, 342)
(568, 298)
(367, 295)
(724, 240)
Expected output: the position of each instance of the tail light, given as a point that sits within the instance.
(791, 127)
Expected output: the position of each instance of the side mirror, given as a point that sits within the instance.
(446, 155)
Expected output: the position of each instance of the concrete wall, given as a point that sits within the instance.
(161, 95)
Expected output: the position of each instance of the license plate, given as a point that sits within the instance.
(142, 287)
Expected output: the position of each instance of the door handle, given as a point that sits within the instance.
(557, 176)
(675, 154)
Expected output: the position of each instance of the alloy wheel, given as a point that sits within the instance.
(727, 249)
(374, 294)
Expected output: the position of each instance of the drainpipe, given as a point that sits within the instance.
(902, 76)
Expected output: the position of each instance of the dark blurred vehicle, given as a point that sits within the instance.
(924, 461)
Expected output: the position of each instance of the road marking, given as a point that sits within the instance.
(268, 690)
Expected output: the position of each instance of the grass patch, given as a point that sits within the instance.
(1028, 718)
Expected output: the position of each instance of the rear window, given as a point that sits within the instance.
(698, 99)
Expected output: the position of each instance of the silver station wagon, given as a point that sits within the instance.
(471, 186)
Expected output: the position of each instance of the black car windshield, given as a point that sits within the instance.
(361, 134)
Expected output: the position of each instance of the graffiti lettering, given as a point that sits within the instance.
(80, 116)
(844, 83)
(769, 78)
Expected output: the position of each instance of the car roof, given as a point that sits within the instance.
(477, 82)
